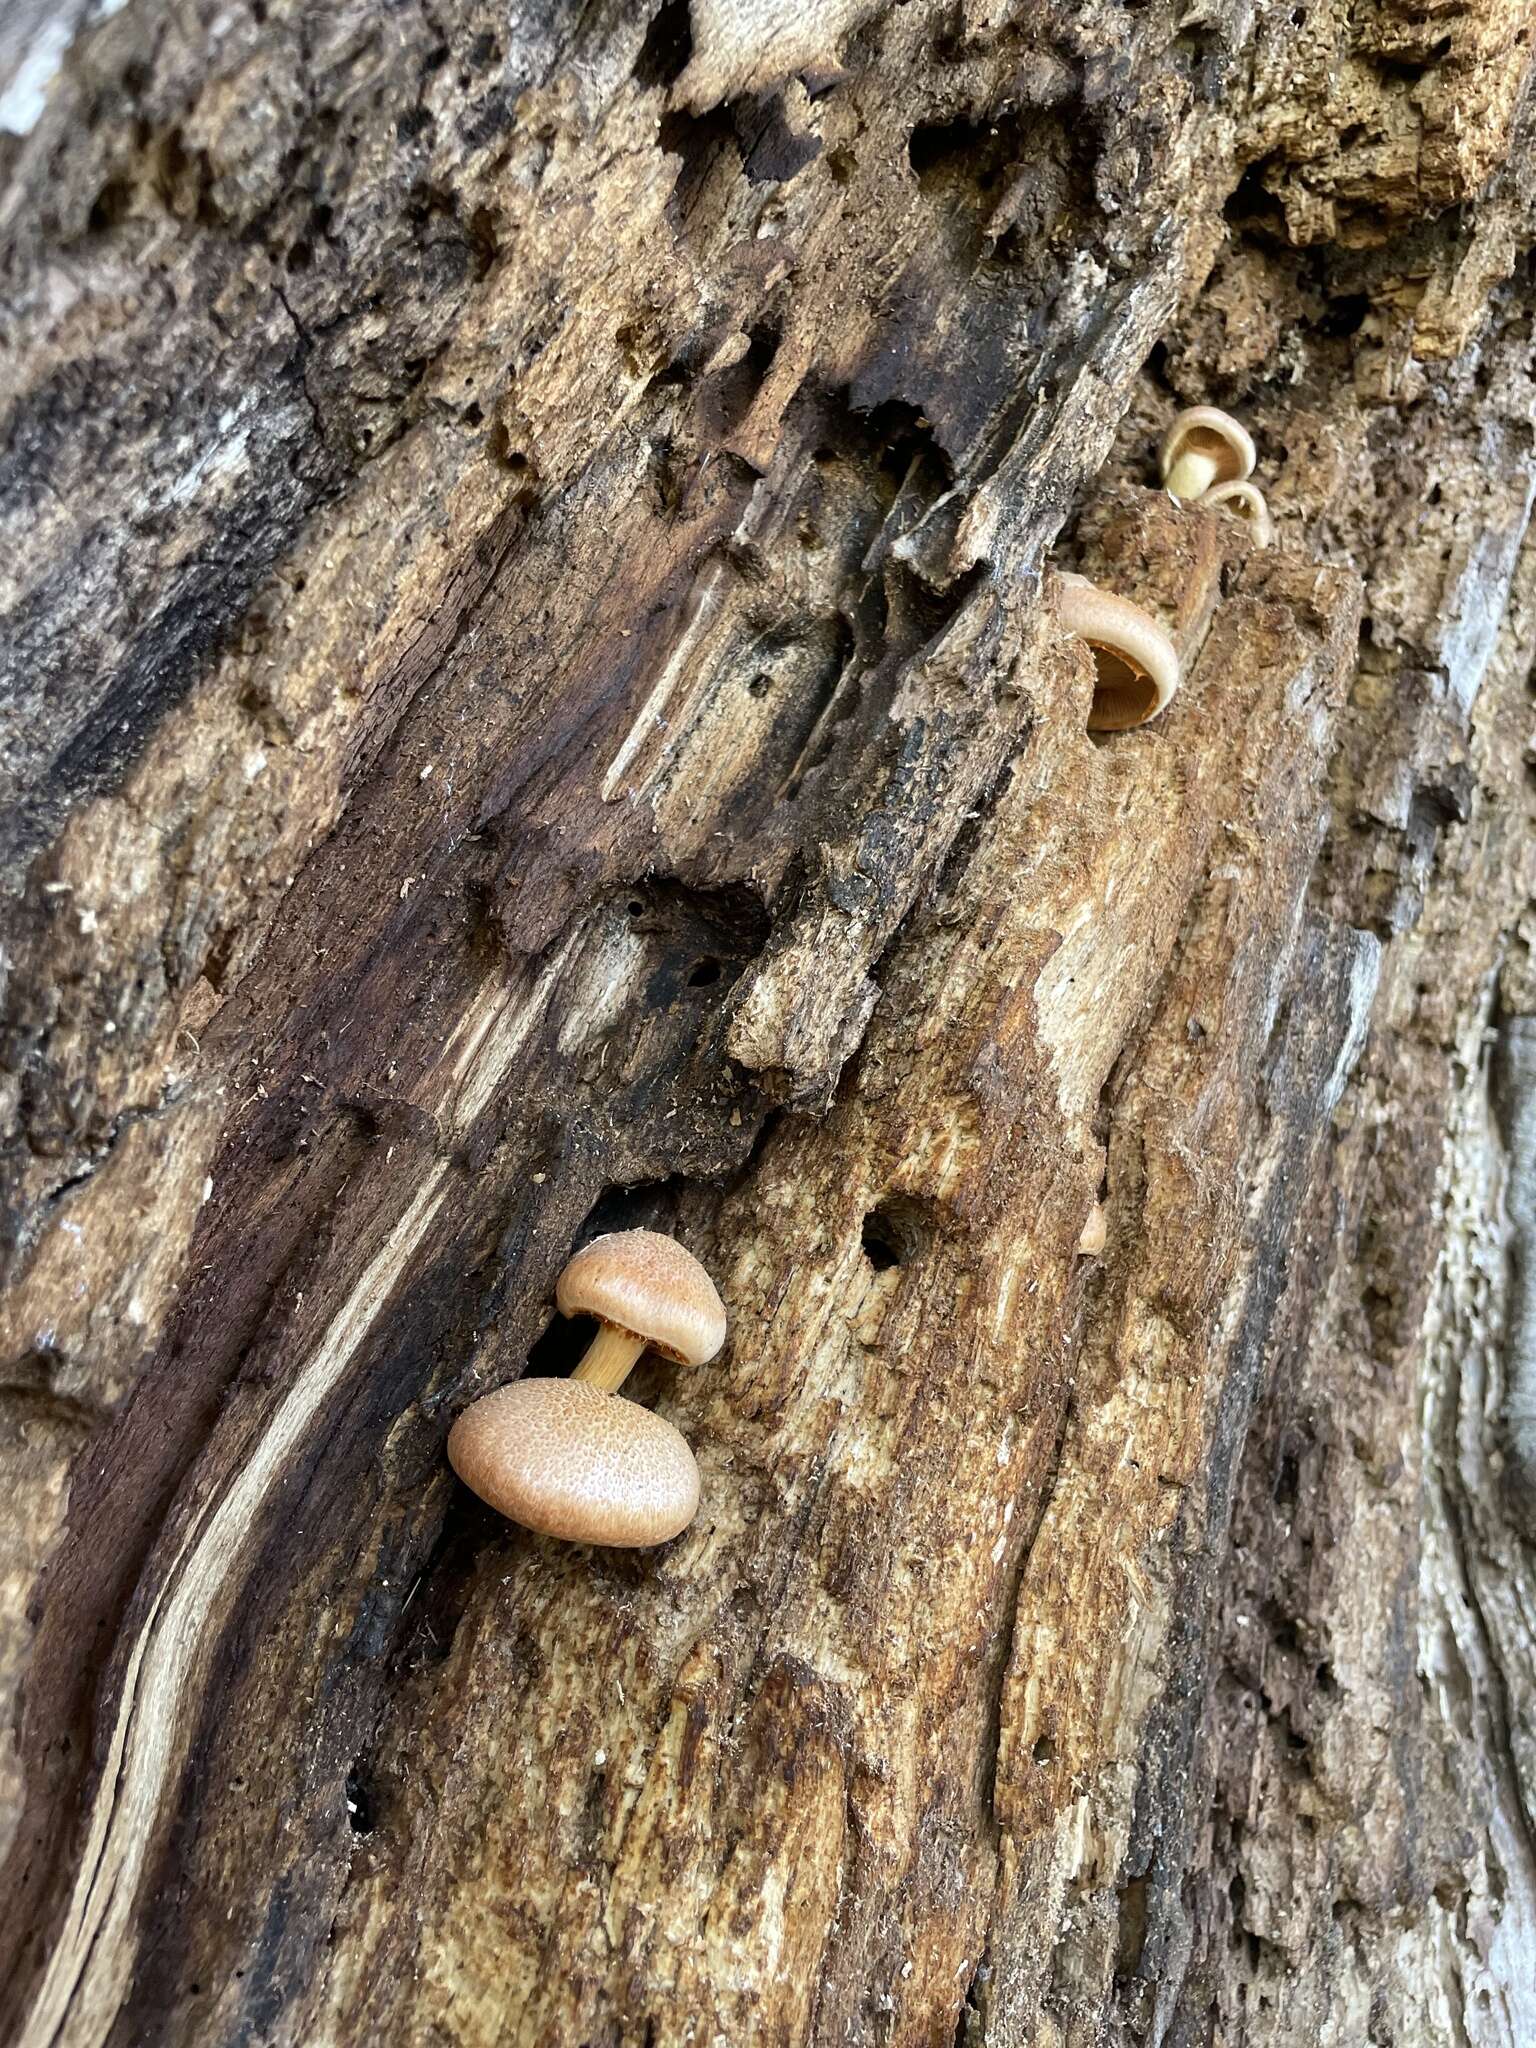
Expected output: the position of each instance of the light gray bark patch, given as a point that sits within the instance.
(1514, 1096)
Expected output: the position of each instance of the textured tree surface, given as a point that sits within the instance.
(534, 703)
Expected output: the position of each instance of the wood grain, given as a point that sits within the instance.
(534, 705)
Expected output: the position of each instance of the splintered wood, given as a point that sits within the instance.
(535, 705)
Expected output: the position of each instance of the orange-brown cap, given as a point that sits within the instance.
(1137, 664)
(647, 1284)
(564, 1458)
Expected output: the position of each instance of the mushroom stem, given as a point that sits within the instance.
(1192, 474)
(609, 1358)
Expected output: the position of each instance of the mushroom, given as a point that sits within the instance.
(644, 1289)
(568, 1457)
(1138, 665)
(1246, 502)
(1204, 446)
(1095, 1233)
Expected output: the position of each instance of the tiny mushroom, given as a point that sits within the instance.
(1137, 664)
(568, 1457)
(1246, 502)
(1095, 1233)
(1204, 446)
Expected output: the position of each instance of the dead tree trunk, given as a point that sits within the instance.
(535, 703)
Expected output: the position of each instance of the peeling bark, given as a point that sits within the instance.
(534, 704)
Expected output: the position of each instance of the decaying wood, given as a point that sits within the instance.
(534, 704)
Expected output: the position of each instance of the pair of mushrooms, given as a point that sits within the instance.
(570, 1458)
(1206, 456)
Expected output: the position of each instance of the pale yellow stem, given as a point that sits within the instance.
(609, 1358)
(1192, 474)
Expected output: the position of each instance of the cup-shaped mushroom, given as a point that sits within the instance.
(1246, 502)
(1204, 446)
(645, 1290)
(1137, 664)
(566, 1459)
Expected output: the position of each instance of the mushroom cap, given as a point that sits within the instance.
(1247, 502)
(1213, 433)
(1138, 665)
(566, 1459)
(647, 1284)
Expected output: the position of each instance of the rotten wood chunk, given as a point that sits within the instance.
(535, 706)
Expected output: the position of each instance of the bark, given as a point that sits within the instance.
(534, 704)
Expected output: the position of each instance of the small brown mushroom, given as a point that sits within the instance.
(1246, 502)
(569, 1458)
(644, 1289)
(566, 1459)
(1204, 446)
(1137, 664)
